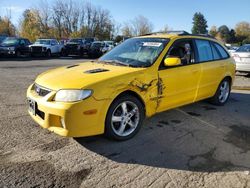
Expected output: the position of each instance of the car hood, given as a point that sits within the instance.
(81, 75)
(42, 45)
(6, 46)
(72, 43)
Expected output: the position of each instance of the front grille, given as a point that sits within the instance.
(36, 49)
(41, 91)
(72, 46)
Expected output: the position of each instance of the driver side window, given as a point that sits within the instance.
(22, 42)
(183, 49)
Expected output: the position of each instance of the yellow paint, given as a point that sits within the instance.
(158, 89)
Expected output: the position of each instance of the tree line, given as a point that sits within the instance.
(238, 35)
(71, 18)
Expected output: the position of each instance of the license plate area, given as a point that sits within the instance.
(32, 106)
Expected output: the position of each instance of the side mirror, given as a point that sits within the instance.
(172, 61)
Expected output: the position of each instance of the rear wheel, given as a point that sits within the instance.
(222, 94)
(124, 119)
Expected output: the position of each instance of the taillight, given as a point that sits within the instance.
(236, 55)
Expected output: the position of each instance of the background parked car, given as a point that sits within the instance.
(242, 58)
(232, 49)
(15, 46)
(78, 46)
(96, 49)
(47, 47)
(108, 45)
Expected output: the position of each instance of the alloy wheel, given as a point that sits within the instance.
(125, 118)
(224, 91)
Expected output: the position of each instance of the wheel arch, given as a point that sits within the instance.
(131, 93)
(228, 77)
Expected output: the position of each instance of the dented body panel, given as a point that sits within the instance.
(159, 90)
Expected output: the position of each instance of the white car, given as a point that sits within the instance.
(108, 45)
(232, 49)
(242, 58)
(47, 47)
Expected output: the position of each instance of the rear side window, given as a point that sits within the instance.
(222, 51)
(204, 50)
(245, 48)
(215, 53)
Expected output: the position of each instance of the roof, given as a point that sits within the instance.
(176, 34)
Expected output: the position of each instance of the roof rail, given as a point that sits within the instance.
(202, 35)
(181, 32)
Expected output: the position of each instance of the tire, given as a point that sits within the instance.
(81, 53)
(62, 53)
(124, 118)
(18, 53)
(48, 53)
(222, 94)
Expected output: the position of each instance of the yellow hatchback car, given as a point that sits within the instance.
(137, 79)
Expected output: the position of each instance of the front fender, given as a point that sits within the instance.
(141, 84)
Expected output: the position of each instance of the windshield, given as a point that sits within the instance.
(10, 41)
(75, 40)
(43, 41)
(137, 52)
(245, 48)
(96, 44)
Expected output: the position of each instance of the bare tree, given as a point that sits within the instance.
(139, 26)
(44, 17)
(58, 13)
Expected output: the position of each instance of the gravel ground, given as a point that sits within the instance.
(198, 145)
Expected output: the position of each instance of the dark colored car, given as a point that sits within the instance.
(76, 47)
(15, 46)
(96, 49)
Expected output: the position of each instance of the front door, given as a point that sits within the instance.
(179, 85)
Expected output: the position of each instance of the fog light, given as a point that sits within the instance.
(63, 123)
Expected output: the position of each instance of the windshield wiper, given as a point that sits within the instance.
(115, 62)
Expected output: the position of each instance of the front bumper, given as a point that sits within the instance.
(69, 119)
(7, 52)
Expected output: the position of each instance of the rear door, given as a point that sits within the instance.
(213, 59)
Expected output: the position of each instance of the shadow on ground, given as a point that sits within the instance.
(181, 139)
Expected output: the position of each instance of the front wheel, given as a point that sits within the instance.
(48, 53)
(222, 94)
(124, 119)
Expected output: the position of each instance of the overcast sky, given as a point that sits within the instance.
(176, 14)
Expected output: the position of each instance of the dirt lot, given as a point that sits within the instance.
(198, 145)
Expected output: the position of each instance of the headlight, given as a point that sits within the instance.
(11, 48)
(72, 95)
